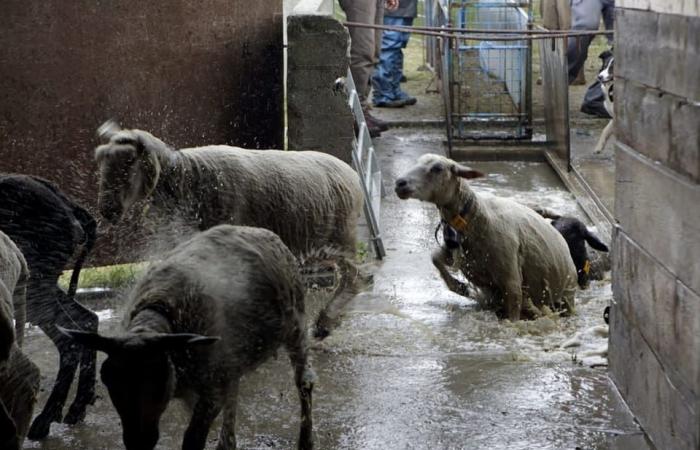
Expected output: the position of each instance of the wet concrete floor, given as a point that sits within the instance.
(412, 365)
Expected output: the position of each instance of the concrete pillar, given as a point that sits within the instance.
(318, 117)
(655, 322)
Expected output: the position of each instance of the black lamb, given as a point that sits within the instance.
(49, 228)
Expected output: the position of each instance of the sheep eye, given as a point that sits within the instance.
(437, 168)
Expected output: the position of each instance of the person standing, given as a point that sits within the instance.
(386, 81)
(364, 50)
(556, 14)
(586, 15)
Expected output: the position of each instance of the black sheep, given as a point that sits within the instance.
(49, 228)
(576, 235)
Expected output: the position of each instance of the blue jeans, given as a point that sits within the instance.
(386, 81)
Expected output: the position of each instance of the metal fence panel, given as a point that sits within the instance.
(556, 95)
(490, 81)
(367, 166)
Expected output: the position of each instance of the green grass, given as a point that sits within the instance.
(113, 277)
(362, 252)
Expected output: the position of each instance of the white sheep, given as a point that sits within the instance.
(508, 251)
(309, 199)
(19, 377)
(212, 310)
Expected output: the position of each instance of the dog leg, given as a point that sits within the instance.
(605, 136)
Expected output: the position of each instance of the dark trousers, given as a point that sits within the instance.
(586, 15)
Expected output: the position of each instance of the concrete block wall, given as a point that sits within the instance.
(655, 323)
(318, 116)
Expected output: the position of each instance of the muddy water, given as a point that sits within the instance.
(414, 366)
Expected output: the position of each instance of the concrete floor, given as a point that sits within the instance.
(413, 365)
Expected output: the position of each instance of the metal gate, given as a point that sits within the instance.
(489, 81)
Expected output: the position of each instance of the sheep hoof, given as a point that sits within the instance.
(321, 332)
(75, 415)
(40, 427)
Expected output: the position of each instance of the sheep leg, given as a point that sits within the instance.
(85, 394)
(205, 411)
(18, 389)
(69, 353)
(227, 436)
(513, 300)
(346, 291)
(8, 430)
(304, 378)
(19, 299)
(440, 260)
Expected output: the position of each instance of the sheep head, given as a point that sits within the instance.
(129, 169)
(434, 179)
(140, 377)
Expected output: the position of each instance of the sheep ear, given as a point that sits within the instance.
(92, 340)
(150, 171)
(177, 341)
(466, 172)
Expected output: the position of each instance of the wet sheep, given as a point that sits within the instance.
(51, 229)
(212, 310)
(19, 377)
(309, 199)
(517, 260)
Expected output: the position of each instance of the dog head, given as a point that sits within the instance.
(607, 72)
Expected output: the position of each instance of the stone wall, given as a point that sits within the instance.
(655, 322)
(318, 116)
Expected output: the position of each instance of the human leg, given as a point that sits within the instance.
(609, 17)
(362, 47)
(385, 79)
(585, 15)
(405, 36)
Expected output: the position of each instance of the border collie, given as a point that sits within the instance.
(606, 77)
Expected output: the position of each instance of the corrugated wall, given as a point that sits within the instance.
(192, 72)
(655, 327)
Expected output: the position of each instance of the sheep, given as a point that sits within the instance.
(309, 199)
(50, 229)
(19, 377)
(576, 234)
(508, 251)
(213, 309)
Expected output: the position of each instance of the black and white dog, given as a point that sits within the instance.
(606, 77)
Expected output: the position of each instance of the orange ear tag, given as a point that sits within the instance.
(586, 267)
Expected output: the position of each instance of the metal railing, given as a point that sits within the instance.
(365, 163)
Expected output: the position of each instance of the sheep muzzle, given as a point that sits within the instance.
(403, 189)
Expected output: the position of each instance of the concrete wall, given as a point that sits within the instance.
(192, 72)
(655, 323)
(318, 117)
